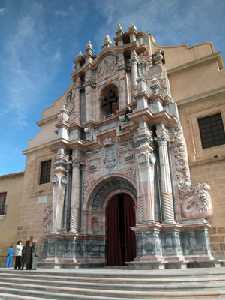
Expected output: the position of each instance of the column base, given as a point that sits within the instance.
(68, 250)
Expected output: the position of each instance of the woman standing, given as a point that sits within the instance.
(19, 249)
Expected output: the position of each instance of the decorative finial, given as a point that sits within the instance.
(89, 51)
(107, 41)
(132, 28)
(89, 46)
(119, 28)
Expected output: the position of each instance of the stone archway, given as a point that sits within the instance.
(116, 196)
(110, 185)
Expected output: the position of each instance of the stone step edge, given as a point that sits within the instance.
(173, 296)
(168, 286)
(119, 279)
(12, 296)
(120, 293)
(128, 273)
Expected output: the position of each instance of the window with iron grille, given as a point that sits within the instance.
(2, 203)
(45, 171)
(211, 131)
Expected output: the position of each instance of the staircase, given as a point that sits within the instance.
(113, 284)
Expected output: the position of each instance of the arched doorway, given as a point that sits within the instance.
(120, 239)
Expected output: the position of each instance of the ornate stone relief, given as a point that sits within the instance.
(69, 103)
(196, 202)
(110, 156)
(107, 66)
(179, 150)
(62, 117)
(102, 190)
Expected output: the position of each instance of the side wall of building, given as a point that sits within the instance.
(208, 165)
(13, 185)
(35, 207)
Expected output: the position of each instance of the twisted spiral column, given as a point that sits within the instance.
(166, 185)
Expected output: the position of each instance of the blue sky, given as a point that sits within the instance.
(40, 38)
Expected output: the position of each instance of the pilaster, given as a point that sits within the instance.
(165, 178)
(145, 174)
(75, 193)
(134, 71)
(59, 184)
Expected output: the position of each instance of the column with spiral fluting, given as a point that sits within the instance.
(75, 194)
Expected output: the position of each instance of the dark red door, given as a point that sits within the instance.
(120, 239)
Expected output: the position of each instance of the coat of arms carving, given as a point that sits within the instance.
(107, 66)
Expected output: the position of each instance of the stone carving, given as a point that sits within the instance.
(110, 156)
(47, 219)
(146, 157)
(69, 104)
(55, 180)
(107, 186)
(196, 202)
(155, 86)
(158, 57)
(63, 116)
(107, 66)
(93, 165)
(64, 180)
(162, 134)
(180, 155)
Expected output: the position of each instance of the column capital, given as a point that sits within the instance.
(162, 134)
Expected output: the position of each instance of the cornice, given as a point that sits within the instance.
(206, 161)
(44, 121)
(48, 145)
(11, 175)
(201, 96)
(190, 64)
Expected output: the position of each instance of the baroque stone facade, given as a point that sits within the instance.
(116, 134)
(126, 139)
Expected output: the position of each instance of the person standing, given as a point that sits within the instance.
(19, 249)
(27, 255)
(10, 255)
(34, 255)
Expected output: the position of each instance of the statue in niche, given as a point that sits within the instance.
(69, 104)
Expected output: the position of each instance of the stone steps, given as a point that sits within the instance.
(119, 284)
(113, 284)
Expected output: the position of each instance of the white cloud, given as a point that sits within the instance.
(31, 63)
(62, 13)
(3, 11)
(167, 19)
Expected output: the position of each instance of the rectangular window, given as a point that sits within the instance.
(45, 171)
(211, 131)
(2, 203)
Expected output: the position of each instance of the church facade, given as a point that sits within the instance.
(107, 179)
